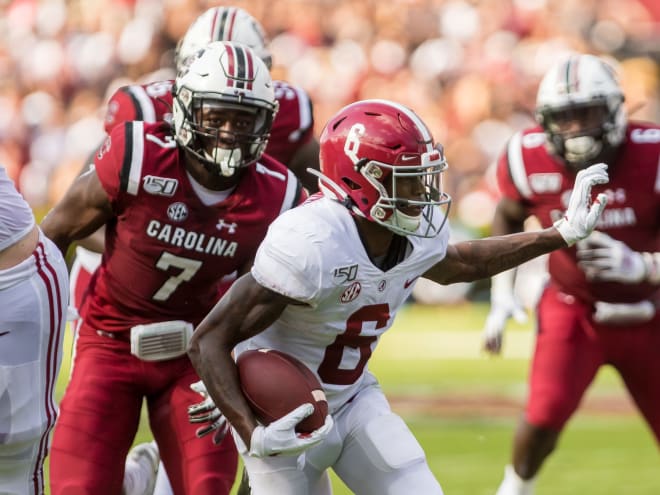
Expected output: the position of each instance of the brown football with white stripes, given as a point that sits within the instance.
(275, 383)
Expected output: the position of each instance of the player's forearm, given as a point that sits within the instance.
(59, 227)
(482, 258)
(497, 254)
(217, 369)
(52, 228)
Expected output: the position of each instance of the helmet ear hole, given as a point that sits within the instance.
(353, 186)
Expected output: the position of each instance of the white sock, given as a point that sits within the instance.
(512, 484)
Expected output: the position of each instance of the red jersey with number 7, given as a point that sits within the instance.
(166, 251)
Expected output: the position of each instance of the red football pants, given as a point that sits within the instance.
(570, 348)
(100, 413)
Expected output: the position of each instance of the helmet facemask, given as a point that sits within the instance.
(221, 150)
(397, 208)
(223, 108)
(579, 104)
(582, 133)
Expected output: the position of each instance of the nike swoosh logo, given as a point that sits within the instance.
(4, 333)
(406, 158)
(408, 283)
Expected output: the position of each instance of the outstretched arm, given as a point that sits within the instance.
(472, 260)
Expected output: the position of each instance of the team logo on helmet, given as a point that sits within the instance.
(177, 212)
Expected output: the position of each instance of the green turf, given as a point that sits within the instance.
(434, 352)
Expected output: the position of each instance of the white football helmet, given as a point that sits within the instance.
(224, 76)
(222, 24)
(580, 107)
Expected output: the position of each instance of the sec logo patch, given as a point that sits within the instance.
(351, 292)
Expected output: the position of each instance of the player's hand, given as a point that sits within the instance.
(280, 436)
(623, 314)
(582, 214)
(503, 305)
(500, 312)
(207, 412)
(603, 258)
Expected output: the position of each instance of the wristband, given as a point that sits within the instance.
(652, 263)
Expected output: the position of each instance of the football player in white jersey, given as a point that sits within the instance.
(33, 306)
(327, 282)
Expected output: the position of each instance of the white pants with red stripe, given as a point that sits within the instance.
(33, 303)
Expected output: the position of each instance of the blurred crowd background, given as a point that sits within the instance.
(469, 67)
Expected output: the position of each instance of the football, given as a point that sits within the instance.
(275, 383)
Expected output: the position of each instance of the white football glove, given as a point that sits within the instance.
(503, 305)
(623, 314)
(603, 258)
(582, 214)
(280, 436)
(207, 412)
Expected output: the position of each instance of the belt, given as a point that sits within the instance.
(122, 336)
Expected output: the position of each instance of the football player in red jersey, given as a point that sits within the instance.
(291, 142)
(184, 206)
(598, 305)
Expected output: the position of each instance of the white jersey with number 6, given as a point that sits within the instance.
(314, 254)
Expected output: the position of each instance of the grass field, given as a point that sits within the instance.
(463, 407)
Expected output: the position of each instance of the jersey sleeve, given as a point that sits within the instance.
(507, 165)
(122, 107)
(288, 262)
(113, 161)
(294, 122)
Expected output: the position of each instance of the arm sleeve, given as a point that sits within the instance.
(122, 107)
(505, 183)
(109, 162)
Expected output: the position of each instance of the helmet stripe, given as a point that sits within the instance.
(231, 64)
(241, 56)
(250, 69)
(216, 25)
(571, 79)
(241, 67)
(229, 25)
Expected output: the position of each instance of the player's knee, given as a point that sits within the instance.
(549, 415)
(389, 444)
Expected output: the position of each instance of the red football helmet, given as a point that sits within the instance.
(368, 148)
